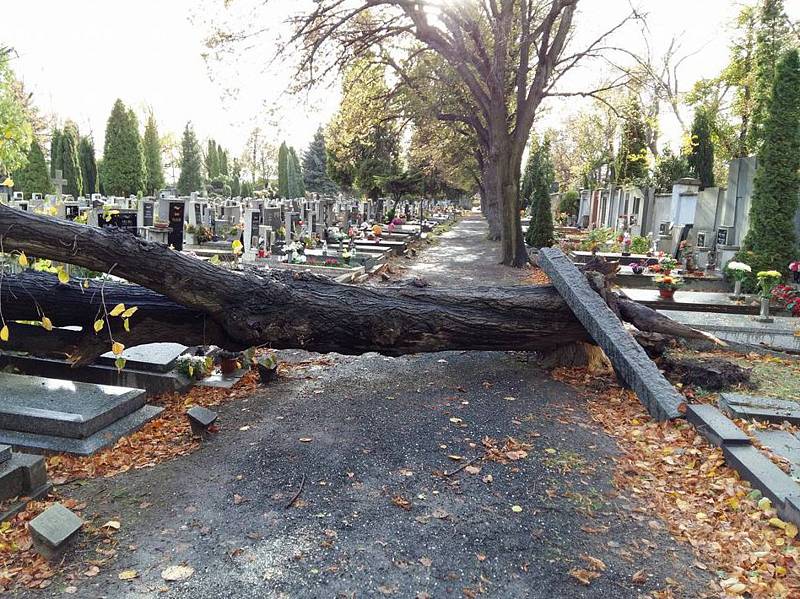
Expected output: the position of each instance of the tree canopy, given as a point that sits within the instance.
(191, 178)
(123, 170)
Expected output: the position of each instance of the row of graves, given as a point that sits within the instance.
(673, 250)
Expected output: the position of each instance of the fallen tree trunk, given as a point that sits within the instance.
(191, 301)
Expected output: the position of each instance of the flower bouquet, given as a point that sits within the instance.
(667, 284)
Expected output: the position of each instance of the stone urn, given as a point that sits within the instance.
(737, 290)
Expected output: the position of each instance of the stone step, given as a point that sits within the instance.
(22, 475)
(63, 408)
(41, 443)
(764, 409)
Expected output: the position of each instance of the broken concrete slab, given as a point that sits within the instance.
(22, 476)
(150, 357)
(53, 529)
(718, 429)
(764, 409)
(629, 359)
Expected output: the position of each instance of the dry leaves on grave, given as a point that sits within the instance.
(160, 440)
(670, 470)
(536, 277)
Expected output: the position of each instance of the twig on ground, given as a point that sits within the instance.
(296, 495)
(462, 466)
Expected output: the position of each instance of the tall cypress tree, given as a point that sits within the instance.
(70, 164)
(632, 161)
(770, 243)
(540, 231)
(34, 177)
(152, 157)
(283, 171)
(191, 178)
(526, 186)
(212, 160)
(123, 160)
(222, 157)
(772, 40)
(88, 164)
(236, 179)
(296, 186)
(315, 167)
(701, 159)
(55, 151)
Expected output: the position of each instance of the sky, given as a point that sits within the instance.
(78, 57)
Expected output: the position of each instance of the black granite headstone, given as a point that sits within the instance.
(176, 215)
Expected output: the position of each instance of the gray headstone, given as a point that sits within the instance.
(629, 359)
(152, 357)
(765, 409)
(786, 445)
(756, 468)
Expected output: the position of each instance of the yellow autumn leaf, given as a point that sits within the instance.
(63, 277)
(777, 523)
(516, 509)
(117, 348)
(129, 312)
(790, 530)
(118, 309)
(47, 325)
(237, 246)
(98, 325)
(86, 283)
(127, 325)
(128, 575)
(4, 333)
(23, 260)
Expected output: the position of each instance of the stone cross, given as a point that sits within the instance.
(59, 181)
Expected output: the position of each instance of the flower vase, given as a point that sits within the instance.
(666, 293)
(737, 290)
(763, 315)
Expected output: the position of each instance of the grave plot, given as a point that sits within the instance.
(151, 367)
(22, 477)
(52, 415)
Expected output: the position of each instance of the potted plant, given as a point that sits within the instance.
(667, 284)
(668, 264)
(228, 362)
(739, 272)
(767, 281)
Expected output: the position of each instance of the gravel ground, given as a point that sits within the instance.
(367, 441)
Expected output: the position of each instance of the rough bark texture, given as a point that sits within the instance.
(180, 298)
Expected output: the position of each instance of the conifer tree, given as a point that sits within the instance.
(191, 178)
(772, 39)
(315, 167)
(701, 159)
(123, 159)
(70, 163)
(771, 243)
(152, 157)
(526, 186)
(540, 231)
(34, 177)
(236, 179)
(212, 160)
(222, 156)
(88, 164)
(632, 160)
(283, 171)
(55, 151)
(296, 186)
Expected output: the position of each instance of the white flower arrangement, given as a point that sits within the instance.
(740, 266)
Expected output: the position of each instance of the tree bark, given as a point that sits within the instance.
(181, 298)
(503, 179)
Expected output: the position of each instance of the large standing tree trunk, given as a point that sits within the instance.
(503, 180)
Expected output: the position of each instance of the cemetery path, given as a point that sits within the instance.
(464, 256)
(371, 442)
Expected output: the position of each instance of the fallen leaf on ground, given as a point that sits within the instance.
(516, 508)
(128, 575)
(401, 502)
(92, 571)
(426, 561)
(583, 576)
(112, 524)
(639, 577)
(175, 573)
(594, 562)
(473, 469)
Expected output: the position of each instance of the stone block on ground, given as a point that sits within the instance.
(784, 444)
(629, 359)
(200, 419)
(53, 529)
(756, 468)
(764, 409)
(717, 428)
